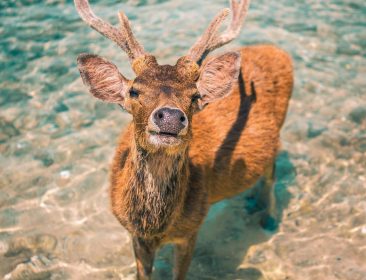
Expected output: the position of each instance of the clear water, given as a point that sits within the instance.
(56, 143)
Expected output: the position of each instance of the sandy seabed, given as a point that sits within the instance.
(56, 143)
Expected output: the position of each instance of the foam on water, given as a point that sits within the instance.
(56, 143)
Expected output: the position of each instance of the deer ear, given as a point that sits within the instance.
(103, 79)
(217, 77)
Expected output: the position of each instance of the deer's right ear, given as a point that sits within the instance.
(103, 79)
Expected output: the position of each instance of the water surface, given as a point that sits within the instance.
(56, 143)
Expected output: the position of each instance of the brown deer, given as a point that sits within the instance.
(203, 130)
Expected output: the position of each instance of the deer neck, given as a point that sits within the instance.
(157, 189)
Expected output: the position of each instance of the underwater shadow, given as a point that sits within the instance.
(232, 226)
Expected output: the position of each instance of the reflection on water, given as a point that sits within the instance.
(56, 143)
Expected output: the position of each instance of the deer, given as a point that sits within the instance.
(202, 130)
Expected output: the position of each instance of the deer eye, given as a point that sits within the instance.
(195, 97)
(134, 93)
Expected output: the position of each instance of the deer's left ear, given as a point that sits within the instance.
(102, 77)
(217, 77)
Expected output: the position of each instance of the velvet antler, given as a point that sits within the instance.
(211, 39)
(123, 37)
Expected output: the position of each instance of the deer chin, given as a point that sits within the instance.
(163, 139)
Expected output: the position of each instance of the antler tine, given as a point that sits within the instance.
(240, 11)
(202, 48)
(132, 45)
(198, 50)
(124, 37)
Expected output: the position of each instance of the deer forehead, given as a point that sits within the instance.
(166, 79)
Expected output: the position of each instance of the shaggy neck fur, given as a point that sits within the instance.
(156, 190)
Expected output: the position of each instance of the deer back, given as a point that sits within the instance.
(236, 138)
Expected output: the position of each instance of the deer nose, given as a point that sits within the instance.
(170, 120)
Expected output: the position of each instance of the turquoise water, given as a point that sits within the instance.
(56, 143)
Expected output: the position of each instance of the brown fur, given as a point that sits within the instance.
(163, 195)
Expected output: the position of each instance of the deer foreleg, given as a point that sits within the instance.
(144, 254)
(183, 254)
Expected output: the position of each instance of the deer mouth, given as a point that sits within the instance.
(164, 138)
(164, 134)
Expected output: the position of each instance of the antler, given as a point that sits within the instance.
(124, 37)
(211, 39)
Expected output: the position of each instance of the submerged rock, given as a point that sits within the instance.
(358, 115)
(60, 107)
(8, 96)
(34, 269)
(45, 156)
(314, 130)
(7, 130)
(30, 245)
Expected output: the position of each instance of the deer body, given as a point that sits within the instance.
(178, 156)
(234, 141)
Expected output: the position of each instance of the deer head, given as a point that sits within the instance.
(162, 98)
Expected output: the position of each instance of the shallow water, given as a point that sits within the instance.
(56, 143)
